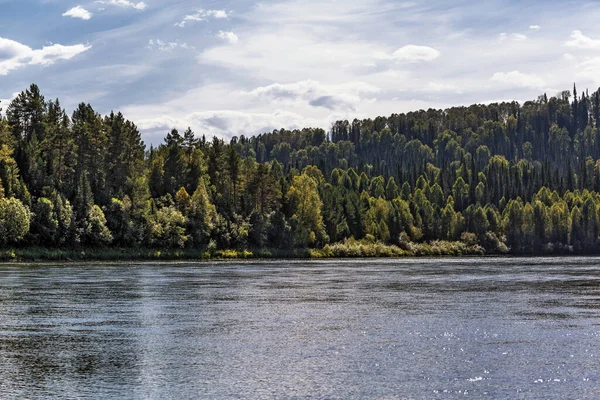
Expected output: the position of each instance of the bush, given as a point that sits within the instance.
(119, 222)
(351, 248)
(167, 228)
(45, 224)
(470, 239)
(95, 230)
(15, 220)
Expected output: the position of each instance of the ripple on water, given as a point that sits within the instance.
(328, 329)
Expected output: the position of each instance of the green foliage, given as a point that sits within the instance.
(94, 230)
(231, 232)
(120, 223)
(167, 228)
(497, 178)
(45, 222)
(306, 204)
(15, 220)
(202, 215)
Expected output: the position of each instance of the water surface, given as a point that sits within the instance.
(377, 329)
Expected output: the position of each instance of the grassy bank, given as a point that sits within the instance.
(347, 249)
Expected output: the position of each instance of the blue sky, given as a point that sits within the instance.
(243, 67)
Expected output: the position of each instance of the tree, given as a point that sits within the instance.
(202, 215)
(175, 168)
(460, 191)
(44, 225)
(233, 167)
(125, 155)
(391, 189)
(280, 231)
(95, 231)
(513, 224)
(119, 222)
(263, 189)
(167, 228)
(377, 219)
(26, 118)
(307, 220)
(59, 148)
(15, 220)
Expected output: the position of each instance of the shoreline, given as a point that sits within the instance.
(344, 250)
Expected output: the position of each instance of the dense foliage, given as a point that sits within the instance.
(503, 177)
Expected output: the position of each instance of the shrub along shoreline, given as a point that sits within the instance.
(347, 249)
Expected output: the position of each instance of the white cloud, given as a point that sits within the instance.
(259, 55)
(223, 110)
(203, 15)
(321, 41)
(226, 123)
(167, 46)
(125, 4)
(217, 14)
(535, 27)
(78, 12)
(580, 41)
(517, 37)
(590, 70)
(48, 55)
(519, 79)
(14, 55)
(6, 102)
(313, 47)
(345, 96)
(228, 36)
(411, 53)
(442, 87)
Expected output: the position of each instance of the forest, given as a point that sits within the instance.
(483, 179)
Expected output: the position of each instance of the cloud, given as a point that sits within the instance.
(125, 4)
(259, 55)
(580, 41)
(590, 70)
(333, 97)
(203, 15)
(535, 27)
(6, 102)
(217, 14)
(296, 55)
(411, 53)
(167, 46)
(228, 36)
(226, 123)
(333, 103)
(14, 55)
(320, 40)
(78, 12)
(224, 110)
(519, 79)
(442, 87)
(516, 37)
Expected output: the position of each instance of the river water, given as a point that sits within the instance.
(368, 329)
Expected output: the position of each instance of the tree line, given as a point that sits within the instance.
(505, 176)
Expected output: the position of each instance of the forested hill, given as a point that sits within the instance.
(505, 177)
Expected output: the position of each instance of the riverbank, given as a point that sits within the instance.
(347, 249)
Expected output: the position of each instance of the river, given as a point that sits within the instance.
(350, 329)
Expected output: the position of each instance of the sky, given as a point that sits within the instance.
(241, 67)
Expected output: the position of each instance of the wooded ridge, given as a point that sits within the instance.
(499, 178)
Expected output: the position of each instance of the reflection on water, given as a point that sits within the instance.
(419, 329)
